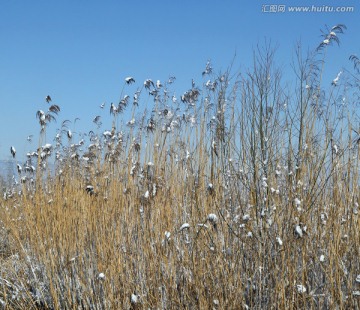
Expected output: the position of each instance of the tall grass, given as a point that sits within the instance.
(241, 194)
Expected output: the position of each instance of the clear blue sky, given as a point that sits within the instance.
(80, 51)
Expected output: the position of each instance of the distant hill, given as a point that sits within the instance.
(7, 170)
(7, 167)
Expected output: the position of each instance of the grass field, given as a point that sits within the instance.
(241, 194)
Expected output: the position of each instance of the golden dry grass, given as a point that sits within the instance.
(271, 224)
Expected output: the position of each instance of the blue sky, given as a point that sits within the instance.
(79, 52)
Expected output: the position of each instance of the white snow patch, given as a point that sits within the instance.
(184, 226)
